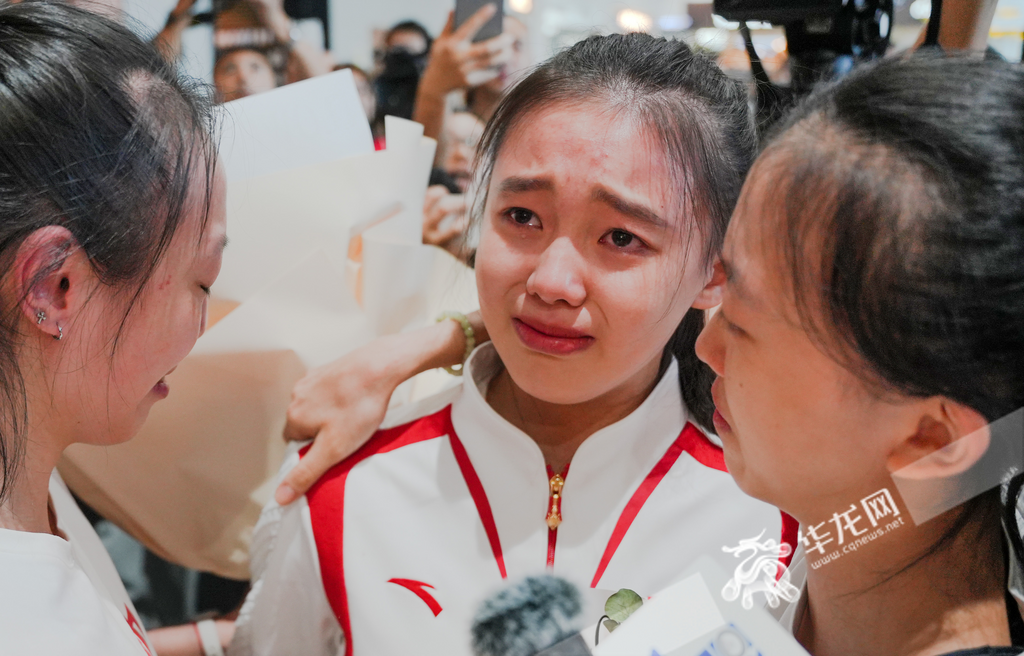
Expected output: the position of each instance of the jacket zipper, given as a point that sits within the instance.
(554, 517)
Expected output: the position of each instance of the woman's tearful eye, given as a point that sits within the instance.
(621, 238)
(624, 241)
(521, 216)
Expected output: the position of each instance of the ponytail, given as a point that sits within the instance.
(695, 377)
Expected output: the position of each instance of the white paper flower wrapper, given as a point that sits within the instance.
(191, 485)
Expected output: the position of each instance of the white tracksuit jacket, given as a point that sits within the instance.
(393, 550)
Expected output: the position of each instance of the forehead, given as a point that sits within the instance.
(217, 220)
(763, 243)
(242, 58)
(406, 36)
(587, 144)
(757, 201)
(203, 226)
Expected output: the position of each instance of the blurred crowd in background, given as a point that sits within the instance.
(451, 81)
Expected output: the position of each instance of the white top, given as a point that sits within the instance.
(399, 544)
(789, 612)
(64, 596)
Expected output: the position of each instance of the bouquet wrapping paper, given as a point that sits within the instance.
(325, 254)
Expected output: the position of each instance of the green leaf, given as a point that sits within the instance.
(611, 625)
(622, 604)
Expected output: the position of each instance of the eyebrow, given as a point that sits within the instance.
(727, 268)
(517, 185)
(635, 210)
(732, 276)
(224, 243)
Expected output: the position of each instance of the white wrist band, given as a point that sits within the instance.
(209, 639)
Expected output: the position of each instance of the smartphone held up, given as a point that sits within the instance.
(464, 9)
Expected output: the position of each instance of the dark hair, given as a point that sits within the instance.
(356, 70)
(909, 176)
(696, 113)
(411, 26)
(97, 135)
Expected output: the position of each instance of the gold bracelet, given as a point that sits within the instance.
(467, 330)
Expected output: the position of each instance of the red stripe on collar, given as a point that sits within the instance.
(327, 506)
(690, 440)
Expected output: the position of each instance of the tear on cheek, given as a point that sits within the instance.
(203, 318)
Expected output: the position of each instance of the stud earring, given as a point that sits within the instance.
(60, 333)
(40, 317)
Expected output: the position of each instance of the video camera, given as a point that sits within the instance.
(825, 37)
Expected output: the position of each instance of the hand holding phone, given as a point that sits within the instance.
(471, 10)
(457, 62)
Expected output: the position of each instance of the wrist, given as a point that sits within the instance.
(468, 339)
(180, 21)
(278, 23)
(442, 344)
(479, 328)
(405, 358)
(432, 89)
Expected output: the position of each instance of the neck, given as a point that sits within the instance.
(559, 429)
(952, 599)
(42, 441)
(25, 506)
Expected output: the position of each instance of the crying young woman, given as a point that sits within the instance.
(575, 443)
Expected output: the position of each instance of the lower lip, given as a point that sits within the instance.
(535, 340)
(721, 425)
(161, 389)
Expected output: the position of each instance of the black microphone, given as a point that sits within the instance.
(538, 615)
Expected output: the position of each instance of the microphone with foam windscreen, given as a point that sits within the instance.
(538, 615)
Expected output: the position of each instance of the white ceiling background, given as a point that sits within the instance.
(353, 21)
(552, 23)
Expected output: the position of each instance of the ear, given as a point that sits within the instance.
(950, 439)
(52, 278)
(711, 295)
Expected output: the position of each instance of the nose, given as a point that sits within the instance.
(557, 276)
(710, 346)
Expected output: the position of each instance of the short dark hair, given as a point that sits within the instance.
(100, 136)
(356, 70)
(411, 26)
(908, 177)
(698, 115)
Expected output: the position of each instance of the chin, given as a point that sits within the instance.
(114, 434)
(556, 382)
(132, 425)
(748, 484)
